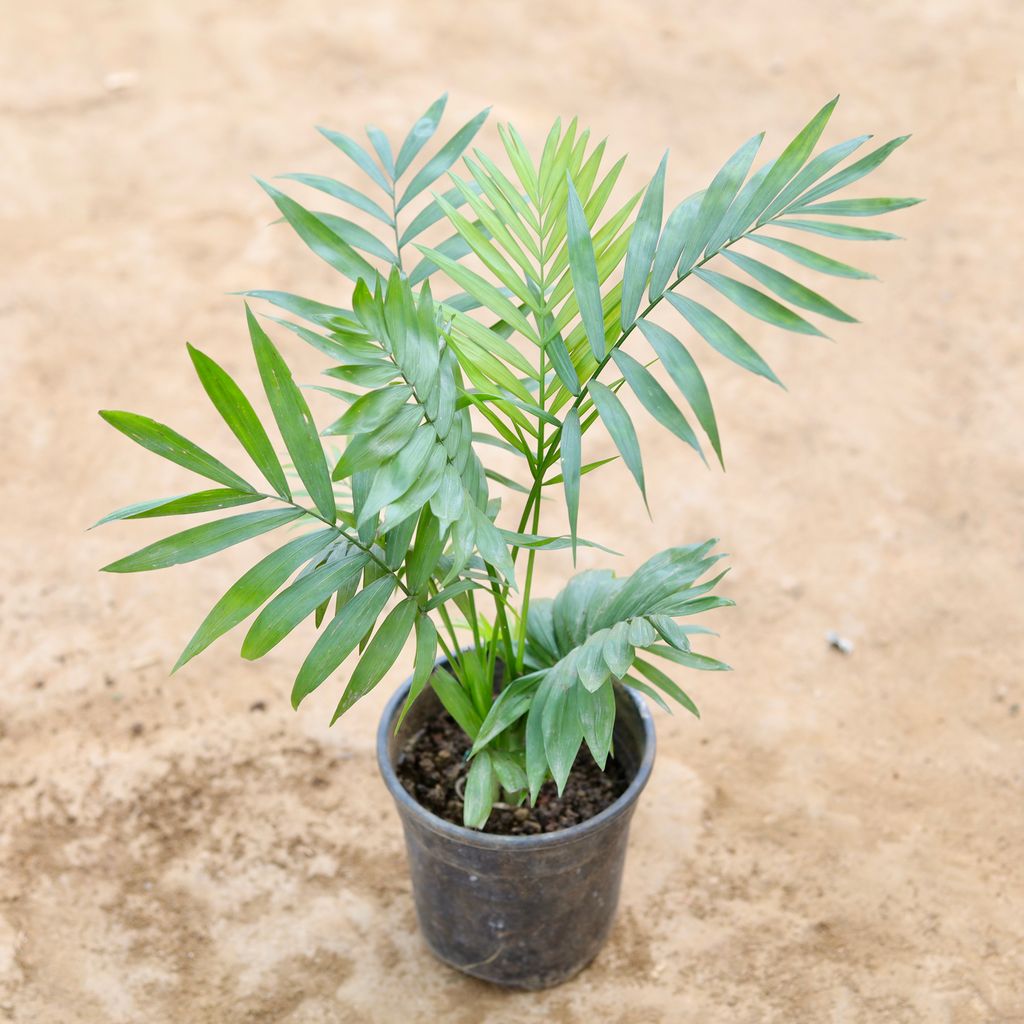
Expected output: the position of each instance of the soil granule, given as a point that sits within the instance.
(433, 761)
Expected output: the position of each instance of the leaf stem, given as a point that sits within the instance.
(354, 541)
(550, 455)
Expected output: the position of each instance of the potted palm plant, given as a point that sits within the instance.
(519, 745)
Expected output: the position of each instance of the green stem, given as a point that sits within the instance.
(354, 541)
(538, 471)
(394, 224)
(550, 455)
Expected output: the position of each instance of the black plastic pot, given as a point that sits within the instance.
(521, 911)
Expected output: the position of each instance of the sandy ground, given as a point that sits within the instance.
(840, 838)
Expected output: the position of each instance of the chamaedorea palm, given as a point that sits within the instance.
(407, 537)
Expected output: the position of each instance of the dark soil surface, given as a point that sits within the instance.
(432, 763)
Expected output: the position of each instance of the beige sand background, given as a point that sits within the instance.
(840, 839)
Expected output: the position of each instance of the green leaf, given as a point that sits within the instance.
(638, 684)
(489, 254)
(536, 758)
(720, 193)
(397, 544)
(506, 216)
(420, 134)
(357, 155)
(509, 706)
(455, 701)
(426, 654)
(421, 560)
(505, 481)
(553, 158)
(654, 399)
(733, 223)
(809, 258)
(616, 650)
(239, 415)
(782, 170)
(540, 542)
(590, 664)
(200, 541)
(687, 377)
(618, 424)
(501, 224)
(380, 654)
(519, 158)
(786, 288)
(328, 245)
(583, 267)
(666, 685)
(479, 792)
(856, 207)
(642, 243)
(491, 544)
(495, 181)
(293, 420)
(672, 633)
(719, 335)
(704, 604)
(366, 376)
(483, 290)
(448, 501)
(399, 473)
(571, 459)
(451, 592)
(443, 158)
(691, 660)
(182, 505)
(340, 350)
(172, 446)
(341, 637)
(847, 232)
(809, 174)
(756, 303)
(339, 190)
(641, 633)
(509, 772)
(430, 214)
(421, 491)
(252, 589)
(371, 411)
(597, 717)
(665, 578)
(561, 726)
(382, 148)
(309, 590)
(855, 171)
(356, 235)
(589, 467)
(680, 225)
(309, 309)
(556, 351)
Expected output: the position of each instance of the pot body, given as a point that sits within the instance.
(522, 911)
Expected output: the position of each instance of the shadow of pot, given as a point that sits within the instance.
(521, 911)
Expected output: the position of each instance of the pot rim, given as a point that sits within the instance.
(486, 840)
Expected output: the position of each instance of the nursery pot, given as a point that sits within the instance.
(522, 911)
